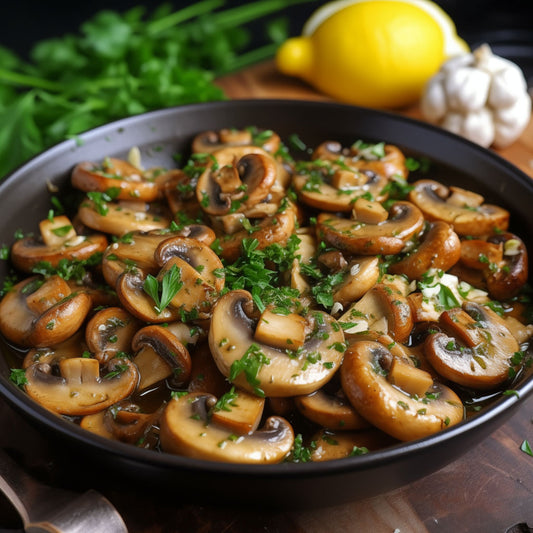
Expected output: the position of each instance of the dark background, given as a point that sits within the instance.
(505, 24)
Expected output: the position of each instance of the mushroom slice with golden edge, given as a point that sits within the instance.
(271, 230)
(329, 445)
(72, 347)
(332, 187)
(263, 368)
(187, 428)
(477, 349)
(58, 241)
(503, 260)
(362, 273)
(115, 173)
(331, 411)
(383, 159)
(41, 312)
(402, 414)
(465, 211)
(212, 141)
(440, 248)
(383, 309)
(81, 388)
(119, 218)
(110, 332)
(357, 237)
(159, 354)
(236, 186)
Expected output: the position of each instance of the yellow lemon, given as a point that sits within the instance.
(373, 53)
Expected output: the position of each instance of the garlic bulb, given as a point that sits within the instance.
(480, 96)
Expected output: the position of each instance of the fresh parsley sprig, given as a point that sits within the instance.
(162, 292)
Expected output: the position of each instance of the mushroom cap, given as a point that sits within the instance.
(27, 252)
(187, 430)
(232, 343)
(389, 237)
(440, 248)
(212, 141)
(434, 200)
(115, 173)
(36, 314)
(80, 388)
(404, 417)
(475, 349)
(121, 219)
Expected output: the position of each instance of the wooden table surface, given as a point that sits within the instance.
(489, 489)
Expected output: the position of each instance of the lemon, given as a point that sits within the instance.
(373, 53)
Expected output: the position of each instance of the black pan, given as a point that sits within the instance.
(24, 197)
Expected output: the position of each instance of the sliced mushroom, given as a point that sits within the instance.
(402, 415)
(121, 218)
(330, 445)
(503, 261)
(236, 186)
(477, 349)
(362, 274)
(334, 188)
(38, 313)
(382, 159)
(389, 237)
(212, 141)
(438, 202)
(186, 429)
(72, 347)
(58, 241)
(331, 411)
(81, 388)
(159, 354)
(262, 368)
(271, 230)
(110, 332)
(115, 173)
(383, 309)
(440, 248)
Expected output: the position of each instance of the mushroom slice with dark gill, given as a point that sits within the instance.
(159, 354)
(476, 348)
(110, 332)
(278, 371)
(41, 312)
(82, 387)
(439, 248)
(400, 413)
(131, 181)
(187, 429)
(464, 210)
(122, 217)
(59, 240)
(211, 141)
(358, 237)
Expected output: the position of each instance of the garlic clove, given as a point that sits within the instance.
(507, 86)
(467, 89)
(434, 103)
(511, 121)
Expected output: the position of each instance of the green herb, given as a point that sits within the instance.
(18, 377)
(162, 292)
(526, 448)
(62, 231)
(225, 402)
(358, 450)
(249, 364)
(299, 452)
(117, 370)
(122, 64)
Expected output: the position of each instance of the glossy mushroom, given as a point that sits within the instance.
(58, 241)
(211, 141)
(112, 173)
(399, 413)
(476, 348)
(187, 429)
(278, 372)
(81, 387)
(389, 237)
(465, 212)
(37, 312)
(439, 248)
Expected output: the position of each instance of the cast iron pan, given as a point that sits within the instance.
(24, 197)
